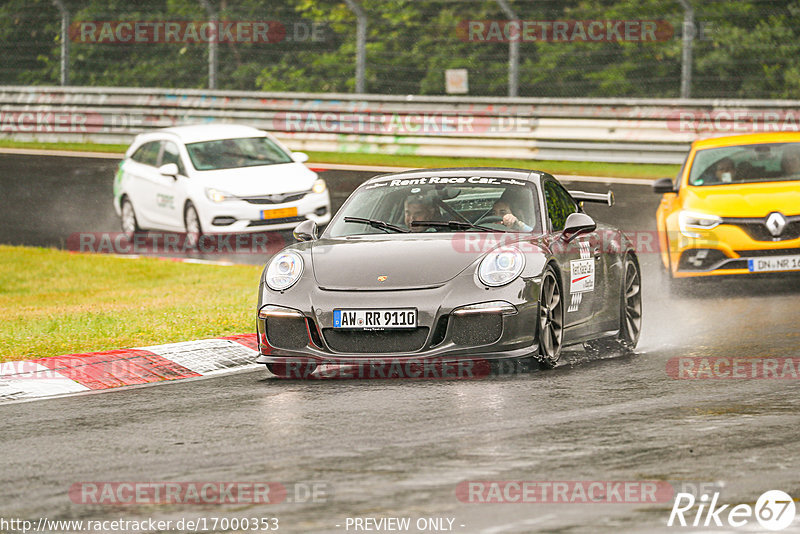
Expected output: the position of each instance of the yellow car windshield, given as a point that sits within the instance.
(768, 162)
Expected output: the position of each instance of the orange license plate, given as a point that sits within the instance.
(279, 213)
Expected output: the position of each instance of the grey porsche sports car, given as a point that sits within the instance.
(451, 265)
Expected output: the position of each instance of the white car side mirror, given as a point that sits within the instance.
(169, 169)
(300, 157)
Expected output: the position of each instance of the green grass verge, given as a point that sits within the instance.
(585, 168)
(75, 147)
(588, 168)
(56, 302)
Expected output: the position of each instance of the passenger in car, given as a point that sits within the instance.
(790, 162)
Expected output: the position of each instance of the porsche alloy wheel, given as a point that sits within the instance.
(551, 320)
(631, 313)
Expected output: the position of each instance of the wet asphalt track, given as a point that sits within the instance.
(399, 448)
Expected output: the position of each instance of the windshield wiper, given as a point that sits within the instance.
(375, 223)
(456, 225)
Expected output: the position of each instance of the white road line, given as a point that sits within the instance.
(516, 526)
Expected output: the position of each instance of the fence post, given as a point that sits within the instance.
(513, 51)
(64, 41)
(361, 44)
(212, 43)
(686, 54)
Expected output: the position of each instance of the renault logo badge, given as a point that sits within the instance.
(776, 223)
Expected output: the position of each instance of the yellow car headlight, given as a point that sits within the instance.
(692, 222)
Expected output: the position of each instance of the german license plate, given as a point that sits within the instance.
(375, 318)
(773, 263)
(279, 213)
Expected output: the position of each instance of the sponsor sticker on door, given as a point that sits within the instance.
(581, 277)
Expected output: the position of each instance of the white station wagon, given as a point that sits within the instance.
(214, 179)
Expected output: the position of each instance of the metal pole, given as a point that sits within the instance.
(361, 44)
(212, 44)
(64, 41)
(686, 55)
(513, 51)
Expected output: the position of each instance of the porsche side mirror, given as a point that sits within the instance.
(663, 185)
(169, 169)
(305, 231)
(577, 223)
(300, 157)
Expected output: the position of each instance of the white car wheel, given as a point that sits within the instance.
(129, 223)
(193, 229)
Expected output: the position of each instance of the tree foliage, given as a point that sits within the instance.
(746, 49)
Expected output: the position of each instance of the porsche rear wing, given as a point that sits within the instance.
(601, 198)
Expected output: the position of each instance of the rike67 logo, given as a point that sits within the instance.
(774, 510)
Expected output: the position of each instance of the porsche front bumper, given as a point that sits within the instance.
(449, 329)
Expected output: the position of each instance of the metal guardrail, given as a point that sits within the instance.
(612, 130)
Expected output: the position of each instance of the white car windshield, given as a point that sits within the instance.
(234, 153)
(417, 205)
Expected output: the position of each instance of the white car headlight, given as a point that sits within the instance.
(501, 266)
(690, 222)
(319, 186)
(284, 270)
(215, 195)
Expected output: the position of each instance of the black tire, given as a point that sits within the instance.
(191, 221)
(550, 320)
(129, 222)
(630, 320)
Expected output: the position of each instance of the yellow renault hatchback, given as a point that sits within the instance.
(734, 208)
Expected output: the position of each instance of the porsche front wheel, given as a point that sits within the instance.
(550, 324)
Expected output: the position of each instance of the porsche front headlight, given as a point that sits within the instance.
(284, 270)
(501, 266)
(690, 222)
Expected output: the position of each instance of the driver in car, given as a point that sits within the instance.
(724, 170)
(502, 208)
(419, 208)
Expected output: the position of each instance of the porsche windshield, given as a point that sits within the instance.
(233, 153)
(769, 162)
(462, 204)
